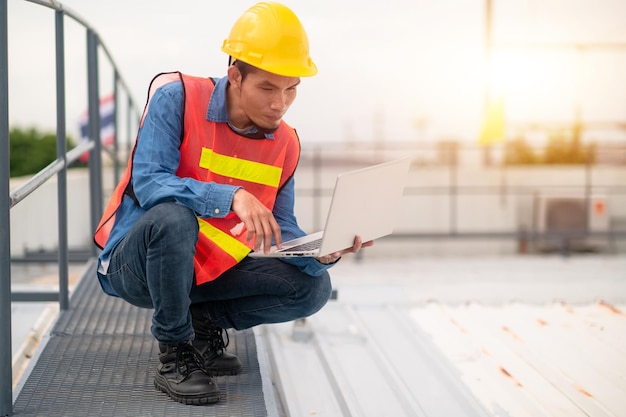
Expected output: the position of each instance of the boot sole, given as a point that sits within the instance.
(203, 399)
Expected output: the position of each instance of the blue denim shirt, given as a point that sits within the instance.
(155, 164)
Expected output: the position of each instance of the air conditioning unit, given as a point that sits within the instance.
(565, 220)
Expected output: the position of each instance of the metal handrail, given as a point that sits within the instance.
(58, 167)
(46, 173)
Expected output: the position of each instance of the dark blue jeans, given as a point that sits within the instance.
(152, 267)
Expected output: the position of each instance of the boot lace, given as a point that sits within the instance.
(187, 360)
(216, 339)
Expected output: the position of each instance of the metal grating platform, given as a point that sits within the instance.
(100, 360)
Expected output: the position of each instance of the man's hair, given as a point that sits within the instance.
(244, 68)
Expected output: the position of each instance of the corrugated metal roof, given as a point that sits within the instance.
(524, 360)
(531, 337)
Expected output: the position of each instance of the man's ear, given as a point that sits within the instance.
(234, 76)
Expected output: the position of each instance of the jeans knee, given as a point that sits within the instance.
(176, 222)
(318, 293)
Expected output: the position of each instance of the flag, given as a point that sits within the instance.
(107, 124)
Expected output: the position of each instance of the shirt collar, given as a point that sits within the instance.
(218, 110)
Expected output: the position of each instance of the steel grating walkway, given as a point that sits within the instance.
(100, 360)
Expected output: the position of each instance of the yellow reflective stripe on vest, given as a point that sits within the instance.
(235, 248)
(240, 169)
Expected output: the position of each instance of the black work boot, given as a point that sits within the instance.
(180, 375)
(209, 343)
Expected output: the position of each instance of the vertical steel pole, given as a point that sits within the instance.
(6, 372)
(488, 56)
(95, 155)
(116, 137)
(454, 190)
(128, 124)
(61, 153)
(588, 189)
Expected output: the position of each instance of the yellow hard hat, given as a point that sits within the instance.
(269, 36)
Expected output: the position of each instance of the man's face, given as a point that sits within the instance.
(262, 98)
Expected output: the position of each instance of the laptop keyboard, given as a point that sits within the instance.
(314, 244)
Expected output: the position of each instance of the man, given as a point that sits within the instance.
(211, 178)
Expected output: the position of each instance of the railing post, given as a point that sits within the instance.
(116, 137)
(6, 200)
(6, 372)
(95, 155)
(453, 186)
(61, 153)
(128, 130)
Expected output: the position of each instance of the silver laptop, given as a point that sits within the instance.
(364, 203)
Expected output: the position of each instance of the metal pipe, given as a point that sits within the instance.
(77, 151)
(58, 6)
(116, 144)
(35, 296)
(42, 176)
(95, 165)
(61, 154)
(38, 179)
(128, 130)
(73, 15)
(453, 214)
(487, 148)
(6, 371)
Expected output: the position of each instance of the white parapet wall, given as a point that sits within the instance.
(34, 220)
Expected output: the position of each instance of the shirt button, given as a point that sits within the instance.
(217, 211)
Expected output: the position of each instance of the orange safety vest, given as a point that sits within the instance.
(212, 152)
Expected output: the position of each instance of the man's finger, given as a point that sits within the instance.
(277, 235)
(267, 237)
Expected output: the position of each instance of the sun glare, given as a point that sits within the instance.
(535, 83)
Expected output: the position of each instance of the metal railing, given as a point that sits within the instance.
(57, 167)
(458, 179)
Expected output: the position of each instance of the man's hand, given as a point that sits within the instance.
(333, 257)
(258, 219)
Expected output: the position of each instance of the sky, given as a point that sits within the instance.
(399, 70)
